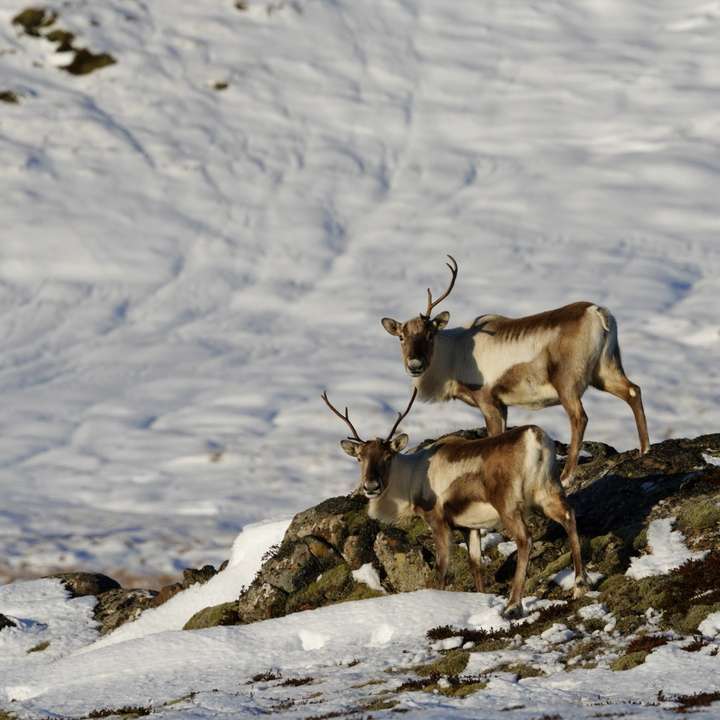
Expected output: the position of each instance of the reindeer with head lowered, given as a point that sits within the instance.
(469, 485)
(533, 362)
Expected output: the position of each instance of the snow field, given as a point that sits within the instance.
(183, 271)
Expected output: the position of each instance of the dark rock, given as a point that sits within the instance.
(33, 19)
(193, 576)
(6, 622)
(261, 601)
(86, 61)
(79, 584)
(116, 607)
(10, 97)
(167, 592)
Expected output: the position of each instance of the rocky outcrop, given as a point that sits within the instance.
(79, 584)
(615, 496)
(6, 622)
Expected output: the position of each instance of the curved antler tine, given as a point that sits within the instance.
(402, 415)
(345, 418)
(453, 272)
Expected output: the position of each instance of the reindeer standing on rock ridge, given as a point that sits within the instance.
(533, 362)
(467, 484)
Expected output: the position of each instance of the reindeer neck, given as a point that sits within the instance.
(437, 383)
(396, 502)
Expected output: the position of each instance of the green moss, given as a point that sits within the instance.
(224, 614)
(587, 651)
(694, 616)
(415, 528)
(593, 624)
(333, 585)
(698, 514)
(522, 670)
(380, 703)
(361, 591)
(463, 689)
(631, 660)
(39, 647)
(450, 664)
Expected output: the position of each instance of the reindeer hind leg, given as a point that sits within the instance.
(611, 378)
(556, 507)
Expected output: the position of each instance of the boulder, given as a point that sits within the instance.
(224, 614)
(79, 584)
(6, 622)
(116, 607)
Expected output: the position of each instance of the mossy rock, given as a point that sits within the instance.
(450, 664)
(676, 594)
(224, 614)
(9, 96)
(40, 647)
(690, 622)
(34, 19)
(330, 587)
(521, 670)
(86, 62)
(627, 662)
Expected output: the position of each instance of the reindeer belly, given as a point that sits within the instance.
(526, 386)
(477, 515)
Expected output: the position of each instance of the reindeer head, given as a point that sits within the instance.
(374, 456)
(417, 336)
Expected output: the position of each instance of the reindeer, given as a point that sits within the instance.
(467, 484)
(533, 362)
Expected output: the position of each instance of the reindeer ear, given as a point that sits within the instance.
(392, 326)
(441, 320)
(351, 447)
(398, 443)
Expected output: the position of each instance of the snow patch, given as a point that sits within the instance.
(710, 626)
(245, 559)
(565, 578)
(368, 574)
(667, 551)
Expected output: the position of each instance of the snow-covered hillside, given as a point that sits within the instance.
(184, 269)
(346, 660)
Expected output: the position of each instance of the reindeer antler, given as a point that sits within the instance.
(402, 415)
(345, 418)
(453, 272)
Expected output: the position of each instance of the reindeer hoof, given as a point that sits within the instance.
(513, 612)
(580, 589)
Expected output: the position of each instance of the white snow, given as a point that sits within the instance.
(710, 626)
(245, 560)
(565, 578)
(711, 459)
(344, 649)
(368, 574)
(557, 634)
(667, 551)
(507, 548)
(42, 613)
(183, 270)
